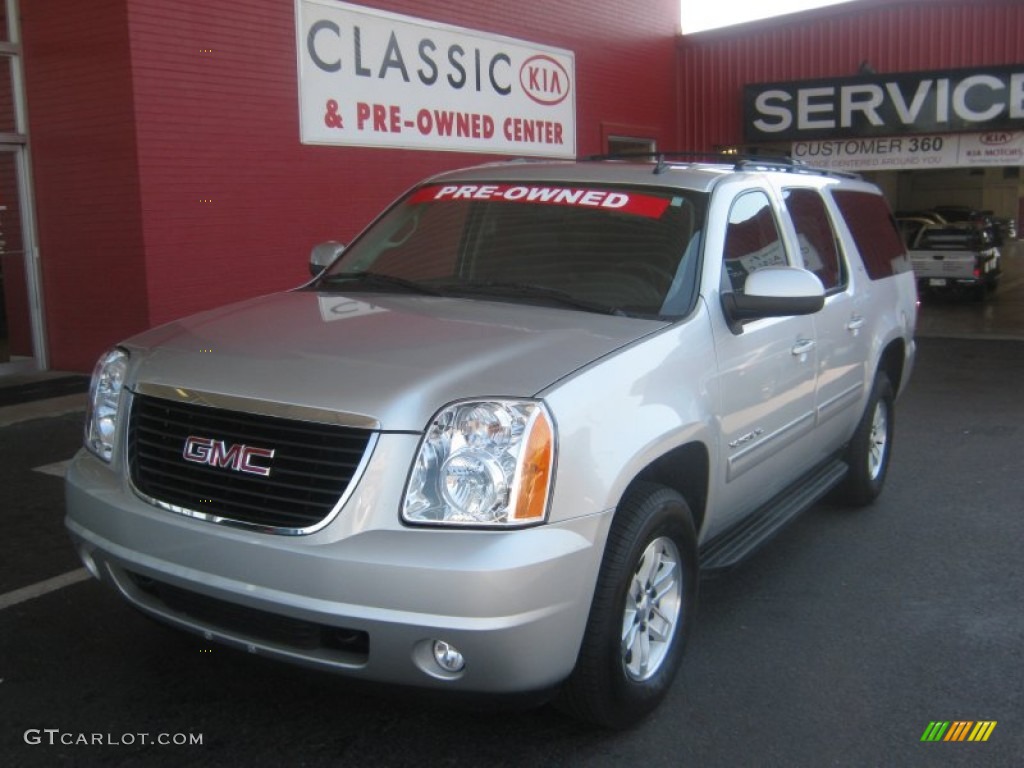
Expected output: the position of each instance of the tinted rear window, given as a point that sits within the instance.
(874, 232)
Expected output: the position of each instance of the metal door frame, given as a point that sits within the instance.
(18, 144)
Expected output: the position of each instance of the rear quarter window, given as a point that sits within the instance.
(874, 232)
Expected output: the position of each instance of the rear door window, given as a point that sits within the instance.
(818, 247)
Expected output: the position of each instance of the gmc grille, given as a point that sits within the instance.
(312, 466)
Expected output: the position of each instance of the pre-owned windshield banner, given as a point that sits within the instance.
(623, 201)
(377, 79)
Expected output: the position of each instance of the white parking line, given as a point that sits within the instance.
(42, 588)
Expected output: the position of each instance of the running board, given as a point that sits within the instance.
(736, 543)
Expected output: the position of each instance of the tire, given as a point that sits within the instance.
(641, 612)
(870, 448)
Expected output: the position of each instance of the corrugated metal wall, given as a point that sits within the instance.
(82, 133)
(169, 175)
(890, 36)
(232, 201)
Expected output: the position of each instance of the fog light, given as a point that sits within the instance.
(448, 657)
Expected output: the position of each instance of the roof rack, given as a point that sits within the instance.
(789, 165)
(739, 162)
(662, 166)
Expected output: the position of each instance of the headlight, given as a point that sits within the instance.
(104, 399)
(483, 463)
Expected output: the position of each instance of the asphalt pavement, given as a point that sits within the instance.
(836, 645)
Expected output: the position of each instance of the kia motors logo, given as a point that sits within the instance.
(997, 137)
(217, 453)
(544, 80)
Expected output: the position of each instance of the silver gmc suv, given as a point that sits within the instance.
(493, 443)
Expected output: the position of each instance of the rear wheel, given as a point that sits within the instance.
(869, 450)
(641, 611)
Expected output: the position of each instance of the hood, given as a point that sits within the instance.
(392, 359)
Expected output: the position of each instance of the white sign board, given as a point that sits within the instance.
(965, 150)
(375, 79)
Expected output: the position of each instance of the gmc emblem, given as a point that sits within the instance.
(217, 453)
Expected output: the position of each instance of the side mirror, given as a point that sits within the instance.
(323, 255)
(774, 292)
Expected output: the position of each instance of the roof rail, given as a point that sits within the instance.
(632, 154)
(739, 162)
(789, 165)
(662, 166)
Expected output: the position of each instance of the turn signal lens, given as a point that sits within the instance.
(535, 465)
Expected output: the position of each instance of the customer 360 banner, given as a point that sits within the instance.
(378, 79)
(890, 153)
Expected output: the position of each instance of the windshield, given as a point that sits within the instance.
(599, 248)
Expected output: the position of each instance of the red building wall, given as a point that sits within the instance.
(82, 140)
(184, 129)
(889, 36)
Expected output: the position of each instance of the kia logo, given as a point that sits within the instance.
(997, 137)
(544, 80)
(236, 457)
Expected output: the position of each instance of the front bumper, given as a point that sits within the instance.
(365, 597)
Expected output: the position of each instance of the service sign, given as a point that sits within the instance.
(371, 78)
(893, 153)
(955, 101)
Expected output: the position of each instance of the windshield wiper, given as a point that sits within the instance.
(380, 280)
(530, 291)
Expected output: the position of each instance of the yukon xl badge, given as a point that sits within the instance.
(217, 453)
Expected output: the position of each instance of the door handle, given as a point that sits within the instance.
(803, 346)
(856, 323)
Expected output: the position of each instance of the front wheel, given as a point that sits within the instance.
(870, 448)
(641, 612)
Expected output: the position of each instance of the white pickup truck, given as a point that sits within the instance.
(952, 259)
